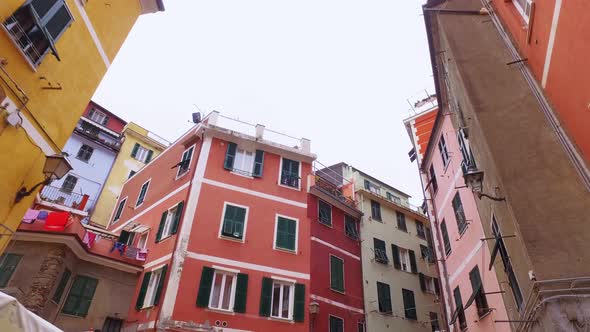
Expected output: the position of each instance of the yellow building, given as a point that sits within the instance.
(134, 154)
(53, 55)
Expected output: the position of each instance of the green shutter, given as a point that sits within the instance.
(124, 237)
(395, 253)
(90, 113)
(230, 156)
(241, 293)
(286, 233)
(336, 273)
(134, 151)
(299, 305)
(422, 281)
(413, 261)
(7, 267)
(149, 156)
(409, 304)
(63, 282)
(436, 286)
(160, 284)
(161, 227)
(105, 121)
(233, 222)
(258, 164)
(177, 216)
(80, 296)
(265, 297)
(143, 290)
(205, 287)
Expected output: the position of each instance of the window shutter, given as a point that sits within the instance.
(91, 112)
(413, 261)
(336, 274)
(241, 293)
(143, 290)
(258, 164)
(105, 121)
(299, 308)
(160, 284)
(422, 281)
(65, 277)
(176, 221)
(124, 237)
(367, 185)
(395, 253)
(149, 156)
(205, 287)
(161, 227)
(230, 156)
(134, 151)
(436, 286)
(265, 297)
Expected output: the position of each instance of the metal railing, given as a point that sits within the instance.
(94, 132)
(330, 188)
(22, 40)
(59, 196)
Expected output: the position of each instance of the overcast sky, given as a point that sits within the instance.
(338, 72)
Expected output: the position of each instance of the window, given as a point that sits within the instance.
(130, 239)
(501, 247)
(98, 117)
(132, 173)
(427, 253)
(375, 189)
(375, 210)
(478, 294)
(336, 324)
(289, 173)
(243, 161)
(223, 291)
(459, 213)
(409, 304)
(401, 221)
(420, 230)
(434, 322)
(524, 7)
(393, 198)
(286, 234)
(7, 267)
(63, 282)
(169, 221)
(112, 325)
(336, 273)
(80, 296)
(324, 213)
(380, 253)
(234, 221)
(350, 227)
(36, 26)
(459, 312)
(445, 235)
(142, 193)
(433, 181)
(468, 160)
(282, 300)
(185, 162)
(142, 154)
(69, 183)
(151, 288)
(119, 210)
(404, 258)
(142, 242)
(360, 327)
(427, 284)
(85, 153)
(384, 297)
(444, 153)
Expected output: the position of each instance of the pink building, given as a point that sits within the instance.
(471, 293)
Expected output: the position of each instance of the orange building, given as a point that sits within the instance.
(222, 214)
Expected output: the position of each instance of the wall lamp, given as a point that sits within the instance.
(314, 309)
(474, 180)
(56, 167)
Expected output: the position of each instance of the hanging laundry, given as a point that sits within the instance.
(131, 252)
(142, 254)
(30, 216)
(119, 246)
(56, 221)
(42, 215)
(89, 239)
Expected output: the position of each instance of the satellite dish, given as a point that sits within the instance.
(197, 117)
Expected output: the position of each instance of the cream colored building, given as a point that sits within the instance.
(139, 147)
(386, 277)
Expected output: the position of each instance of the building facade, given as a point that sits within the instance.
(138, 147)
(223, 216)
(47, 77)
(336, 269)
(457, 229)
(531, 190)
(400, 281)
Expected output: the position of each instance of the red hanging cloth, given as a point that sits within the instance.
(56, 221)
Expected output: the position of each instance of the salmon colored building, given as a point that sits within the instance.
(336, 270)
(471, 293)
(222, 215)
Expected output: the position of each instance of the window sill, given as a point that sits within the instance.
(288, 251)
(233, 239)
(242, 175)
(165, 238)
(137, 206)
(324, 224)
(82, 160)
(488, 312)
(284, 320)
(402, 230)
(181, 175)
(342, 292)
(352, 237)
(72, 315)
(298, 188)
(221, 311)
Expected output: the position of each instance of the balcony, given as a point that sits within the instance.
(70, 200)
(335, 191)
(97, 134)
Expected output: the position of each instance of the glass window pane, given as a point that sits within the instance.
(286, 296)
(227, 291)
(58, 22)
(276, 299)
(216, 291)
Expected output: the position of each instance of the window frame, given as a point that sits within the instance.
(379, 298)
(274, 246)
(402, 226)
(446, 239)
(298, 188)
(167, 229)
(248, 169)
(523, 11)
(63, 184)
(70, 291)
(137, 202)
(404, 258)
(459, 213)
(152, 289)
(141, 149)
(420, 229)
(320, 202)
(350, 219)
(343, 290)
(232, 296)
(85, 152)
(376, 206)
(410, 310)
(145, 234)
(291, 309)
(3, 259)
(375, 257)
(509, 270)
(433, 180)
(62, 285)
(190, 161)
(444, 151)
(118, 213)
(330, 316)
(225, 237)
(102, 119)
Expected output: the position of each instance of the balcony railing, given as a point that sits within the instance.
(330, 188)
(94, 132)
(71, 200)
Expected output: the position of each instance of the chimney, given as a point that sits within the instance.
(259, 131)
(305, 145)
